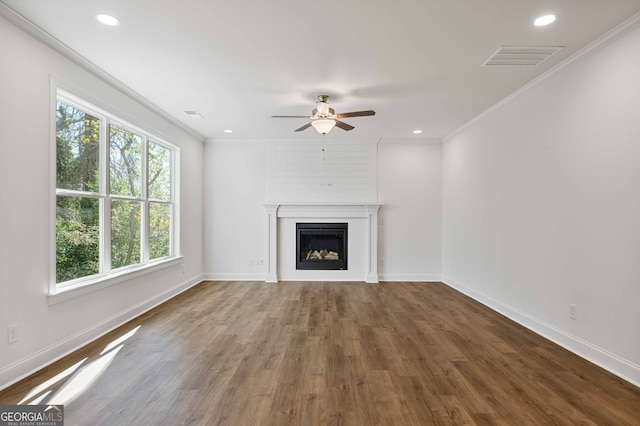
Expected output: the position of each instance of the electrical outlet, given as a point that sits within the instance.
(381, 220)
(184, 268)
(12, 333)
(573, 311)
(381, 262)
(251, 261)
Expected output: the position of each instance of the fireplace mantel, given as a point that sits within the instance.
(368, 212)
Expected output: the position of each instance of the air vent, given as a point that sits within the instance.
(193, 114)
(521, 55)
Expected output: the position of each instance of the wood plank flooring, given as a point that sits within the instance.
(227, 353)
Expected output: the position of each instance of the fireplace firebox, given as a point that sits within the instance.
(321, 246)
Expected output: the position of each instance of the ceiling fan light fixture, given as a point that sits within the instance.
(323, 125)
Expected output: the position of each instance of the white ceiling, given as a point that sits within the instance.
(417, 63)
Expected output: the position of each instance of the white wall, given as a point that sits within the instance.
(47, 332)
(408, 181)
(235, 218)
(410, 187)
(542, 207)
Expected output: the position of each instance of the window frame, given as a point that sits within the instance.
(108, 276)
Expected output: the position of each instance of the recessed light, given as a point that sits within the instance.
(544, 20)
(417, 132)
(228, 131)
(112, 21)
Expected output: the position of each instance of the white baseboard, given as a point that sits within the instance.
(613, 363)
(24, 367)
(215, 276)
(410, 277)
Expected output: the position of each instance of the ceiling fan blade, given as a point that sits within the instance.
(356, 114)
(290, 116)
(343, 125)
(306, 126)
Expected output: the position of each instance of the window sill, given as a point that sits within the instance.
(64, 294)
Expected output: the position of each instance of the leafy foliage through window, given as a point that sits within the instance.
(114, 193)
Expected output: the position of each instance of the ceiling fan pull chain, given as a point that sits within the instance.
(323, 150)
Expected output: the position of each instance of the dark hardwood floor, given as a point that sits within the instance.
(327, 354)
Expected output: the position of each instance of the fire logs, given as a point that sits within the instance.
(323, 254)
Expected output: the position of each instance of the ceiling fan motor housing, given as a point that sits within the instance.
(321, 111)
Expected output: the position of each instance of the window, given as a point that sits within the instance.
(115, 195)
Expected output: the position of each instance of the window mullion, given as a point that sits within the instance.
(105, 202)
(105, 235)
(144, 214)
(174, 232)
(73, 193)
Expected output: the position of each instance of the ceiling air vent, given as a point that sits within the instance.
(193, 114)
(521, 55)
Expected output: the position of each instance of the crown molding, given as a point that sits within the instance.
(310, 140)
(420, 141)
(601, 42)
(47, 39)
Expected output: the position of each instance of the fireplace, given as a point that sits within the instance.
(321, 246)
(282, 253)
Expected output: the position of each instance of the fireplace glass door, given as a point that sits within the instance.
(321, 246)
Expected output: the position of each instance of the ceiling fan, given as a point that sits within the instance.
(324, 117)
